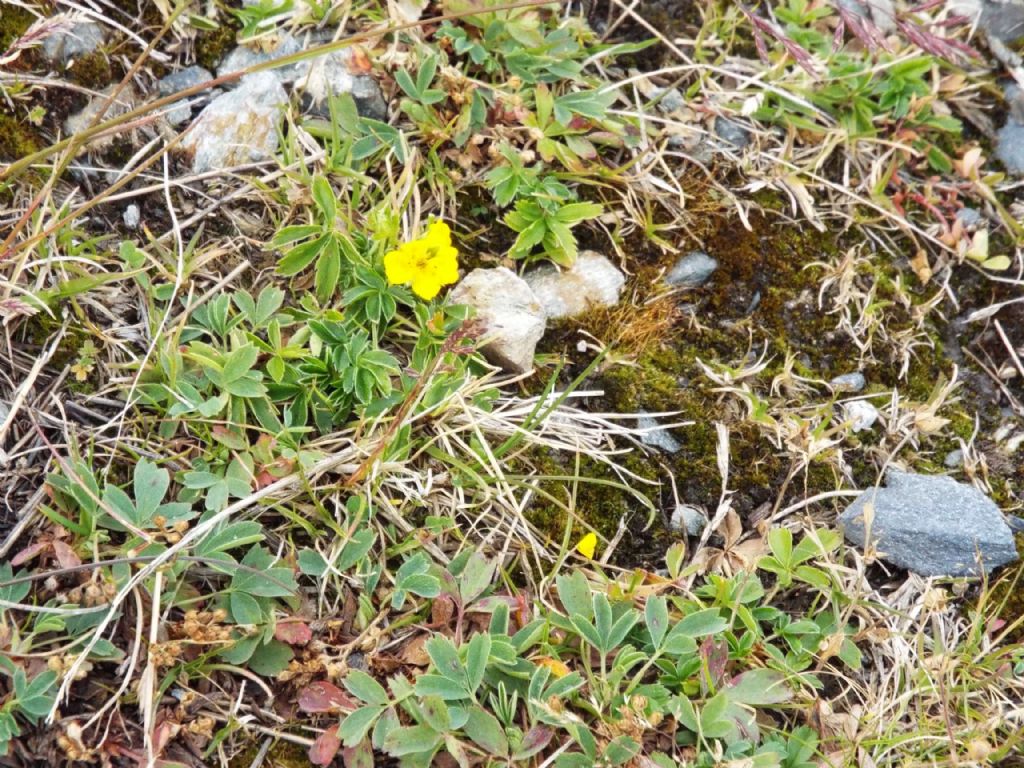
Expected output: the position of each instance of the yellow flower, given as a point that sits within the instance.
(426, 263)
(587, 546)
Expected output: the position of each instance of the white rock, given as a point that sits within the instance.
(338, 72)
(237, 127)
(849, 382)
(270, 47)
(592, 281)
(132, 216)
(512, 317)
(861, 414)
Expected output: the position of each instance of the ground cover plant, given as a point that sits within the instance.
(270, 497)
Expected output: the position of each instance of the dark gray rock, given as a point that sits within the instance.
(238, 127)
(189, 77)
(1010, 148)
(931, 525)
(671, 100)
(692, 270)
(732, 132)
(655, 435)
(79, 39)
(849, 382)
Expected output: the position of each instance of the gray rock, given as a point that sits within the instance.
(512, 316)
(671, 99)
(592, 281)
(1010, 148)
(237, 127)
(689, 519)
(655, 435)
(732, 132)
(1016, 523)
(189, 77)
(692, 270)
(246, 55)
(931, 525)
(861, 414)
(1003, 20)
(849, 382)
(79, 39)
(336, 73)
(132, 216)
(970, 218)
(954, 459)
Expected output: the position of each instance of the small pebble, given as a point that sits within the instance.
(671, 99)
(132, 216)
(689, 519)
(1010, 148)
(849, 382)
(732, 132)
(692, 270)
(954, 459)
(861, 414)
(971, 218)
(655, 435)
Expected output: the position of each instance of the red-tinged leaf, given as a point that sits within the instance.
(322, 696)
(359, 756)
(263, 479)
(293, 632)
(28, 553)
(65, 555)
(325, 747)
(163, 733)
(359, 62)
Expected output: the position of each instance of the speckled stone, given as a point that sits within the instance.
(80, 39)
(1010, 148)
(239, 126)
(931, 525)
(655, 435)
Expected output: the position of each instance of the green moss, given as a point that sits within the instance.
(212, 45)
(1006, 596)
(282, 754)
(93, 70)
(17, 138)
(14, 20)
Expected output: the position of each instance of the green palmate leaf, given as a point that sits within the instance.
(245, 609)
(656, 616)
(323, 196)
(271, 659)
(365, 688)
(301, 256)
(239, 362)
(435, 712)
(13, 593)
(477, 653)
(260, 579)
(759, 687)
(353, 729)
(574, 592)
(150, 483)
(485, 730)
(410, 740)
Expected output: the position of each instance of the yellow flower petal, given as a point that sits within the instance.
(445, 265)
(438, 236)
(558, 668)
(426, 285)
(400, 266)
(587, 546)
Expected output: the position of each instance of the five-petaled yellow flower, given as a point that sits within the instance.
(426, 263)
(587, 546)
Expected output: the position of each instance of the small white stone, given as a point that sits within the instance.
(861, 414)
(849, 382)
(512, 317)
(132, 216)
(592, 281)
